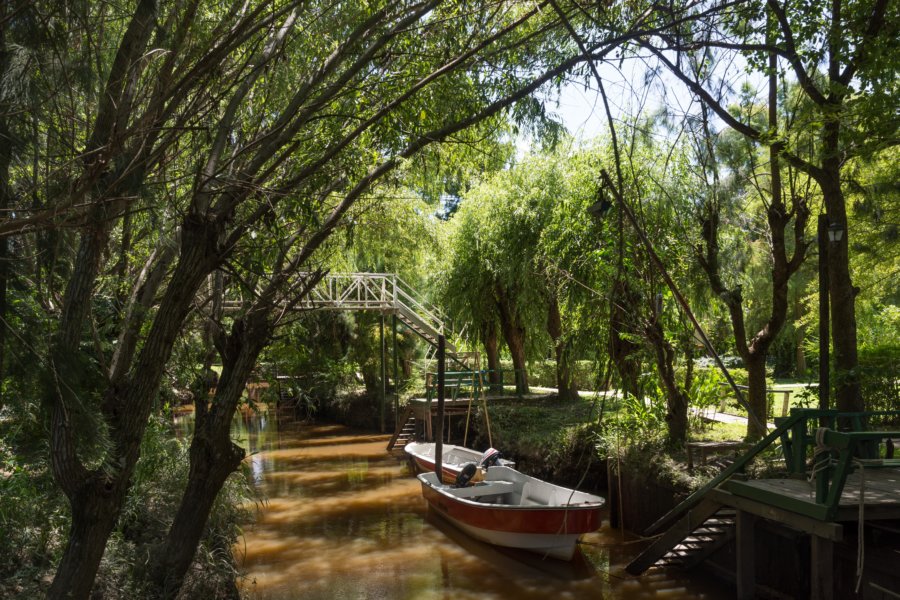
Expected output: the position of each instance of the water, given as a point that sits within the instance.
(346, 520)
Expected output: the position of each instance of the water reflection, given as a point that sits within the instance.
(345, 519)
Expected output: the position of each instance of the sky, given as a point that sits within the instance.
(580, 107)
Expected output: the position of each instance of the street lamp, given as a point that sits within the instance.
(835, 232)
(828, 232)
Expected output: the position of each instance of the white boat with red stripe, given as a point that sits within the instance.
(453, 458)
(509, 508)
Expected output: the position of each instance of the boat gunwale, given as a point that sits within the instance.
(444, 490)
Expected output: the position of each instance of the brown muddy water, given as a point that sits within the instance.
(344, 519)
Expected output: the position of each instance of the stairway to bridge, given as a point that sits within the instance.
(383, 292)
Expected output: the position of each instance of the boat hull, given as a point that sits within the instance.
(455, 457)
(548, 530)
(425, 466)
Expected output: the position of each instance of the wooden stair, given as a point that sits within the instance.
(693, 538)
(420, 326)
(406, 430)
(713, 534)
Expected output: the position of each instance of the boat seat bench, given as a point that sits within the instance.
(492, 488)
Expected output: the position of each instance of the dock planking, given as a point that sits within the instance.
(881, 491)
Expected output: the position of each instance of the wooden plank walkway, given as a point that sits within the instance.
(882, 493)
(711, 414)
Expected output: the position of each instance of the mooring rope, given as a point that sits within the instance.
(861, 527)
(821, 465)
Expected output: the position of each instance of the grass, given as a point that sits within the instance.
(799, 397)
(719, 432)
(539, 422)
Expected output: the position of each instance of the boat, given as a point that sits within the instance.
(511, 509)
(453, 458)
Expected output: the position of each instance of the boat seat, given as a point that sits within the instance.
(534, 495)
(492, 488)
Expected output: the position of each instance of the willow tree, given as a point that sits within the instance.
(511, 234)
(844, 58)
(496, 260)
(197, 134)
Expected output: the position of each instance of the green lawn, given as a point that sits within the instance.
(800, 396)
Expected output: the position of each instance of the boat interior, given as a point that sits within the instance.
(505, 486)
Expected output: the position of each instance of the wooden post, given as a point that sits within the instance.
(612, 494)
(396, 371)
(823, 314)
(439, 444)
(822, 568)
(745, 574)
(383, 376)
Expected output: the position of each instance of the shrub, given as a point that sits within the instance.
(879, 381)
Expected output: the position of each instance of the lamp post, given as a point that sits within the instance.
(828, 232)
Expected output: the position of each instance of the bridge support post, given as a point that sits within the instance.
(383, 376)
(439, 444)
(745, 573)
(396, 372)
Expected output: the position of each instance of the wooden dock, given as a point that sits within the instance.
(841, 484)
(880, 487)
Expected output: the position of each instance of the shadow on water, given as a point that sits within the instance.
(345, 519)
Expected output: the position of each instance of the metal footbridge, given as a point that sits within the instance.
(386, 293)
(382, 292)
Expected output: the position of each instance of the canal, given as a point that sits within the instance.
(344, 519)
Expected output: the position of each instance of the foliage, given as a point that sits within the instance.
(550, 439)
(878, 367)
(33, 520)
(542, 373)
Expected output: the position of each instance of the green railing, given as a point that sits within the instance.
(798, 437)
(796, 443)
(467, 384)
(850, 448)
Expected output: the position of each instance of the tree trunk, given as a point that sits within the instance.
(676, 397)
(212, 461)
(6, 149)
(565, 380)
(799, 352)
(92, 498)
(848, 396)
(95, 509)
(213, 455)
(97, 497)
(621, 349)
(756, 395)
(5, 202)
(492, 352)
(514, 334)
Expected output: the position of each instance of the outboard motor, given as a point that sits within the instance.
(468, 472)
(490, 458)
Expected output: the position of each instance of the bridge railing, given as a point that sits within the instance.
(403, 295)
(353, 291)
(372, 291)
